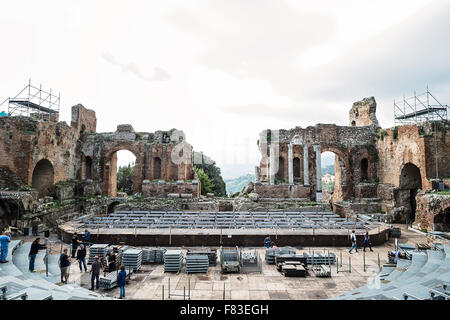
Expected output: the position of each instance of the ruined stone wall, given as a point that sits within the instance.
(163, 189)
(27, 144)
(154, 154)
(363, 113)
(433, 212)
(282, 191)
(350, 144)
(83, 120)
(24, 142)
(394, 153)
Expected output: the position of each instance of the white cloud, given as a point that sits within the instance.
(235, 67)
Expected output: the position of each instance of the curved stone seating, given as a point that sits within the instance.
(426, 272)
(18, 279)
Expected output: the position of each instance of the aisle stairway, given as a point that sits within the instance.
(426, 275)
(17, 282)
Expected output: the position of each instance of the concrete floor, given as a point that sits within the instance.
(270, 284)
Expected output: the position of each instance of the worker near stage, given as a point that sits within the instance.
(95, 272)
(367, 242)
(267, 242)
(64, 265)
(5, 239)
(111, 261)
(75, 243)
(35, 226)
(86, 237)
(81, 257)
(35, 247)
(121, 281)
(353, 240)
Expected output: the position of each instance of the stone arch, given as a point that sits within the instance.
(43, 178)
(364, 169)
(410, 177)
(87, 168)
(112, 206)
(157, 168)
(410, 182)
(11, 212)
(343, 187)
(109, 186)
(280, 173)
(296, 164)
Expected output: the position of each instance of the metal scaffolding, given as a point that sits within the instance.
(34, 102)
(419, 108)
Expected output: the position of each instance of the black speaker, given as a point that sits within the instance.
(47, 233)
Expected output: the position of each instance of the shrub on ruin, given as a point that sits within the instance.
(207, 184)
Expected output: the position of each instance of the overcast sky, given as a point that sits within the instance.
(222, 71)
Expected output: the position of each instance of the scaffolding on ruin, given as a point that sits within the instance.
(419, 108)
(422, 108)
(34, 102)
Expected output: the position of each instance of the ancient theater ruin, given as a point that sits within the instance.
(265, 242)
(387, 171)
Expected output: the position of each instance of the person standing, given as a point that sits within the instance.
(5, 239)
(367, 242)
(353, 240)
(267, 242)
(86, 237)
(35, 226)
(121, 281)
(64, 265)
(75, 243)
(111, 261)
(81, 257)
(35, 247)
(95, 272)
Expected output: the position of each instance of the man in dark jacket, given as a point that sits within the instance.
(367, 242)
(35, 247)
(81, 257)
(111, 261)
(75, 243)
(121, 281)
(95, 272)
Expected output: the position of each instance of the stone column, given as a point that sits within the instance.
(272, 164)
(290, 165)
(305, 165)
(256, 174)
(319, 196)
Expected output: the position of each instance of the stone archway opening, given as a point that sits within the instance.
(279, 176)
(11, 211)
(410, 183)
(157, 168)
(296, 164)
(334, 175)
(87, 170)
(442, 221)
(119, 173)
(112, 206)
(43, 178)
(364, 169)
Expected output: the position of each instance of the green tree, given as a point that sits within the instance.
(125, 179)
(207, 184)
(213, 172)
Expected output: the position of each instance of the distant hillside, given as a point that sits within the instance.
(328, 169)
(237, 184)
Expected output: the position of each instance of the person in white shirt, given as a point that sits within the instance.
(353, 239)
